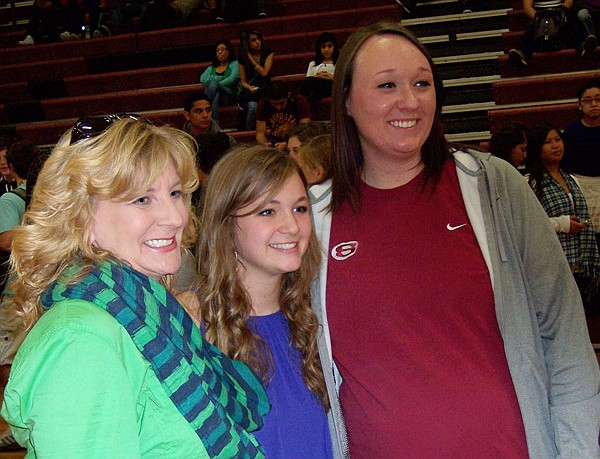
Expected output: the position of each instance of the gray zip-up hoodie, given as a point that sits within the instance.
(538, 307)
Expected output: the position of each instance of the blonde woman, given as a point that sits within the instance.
(113, 367)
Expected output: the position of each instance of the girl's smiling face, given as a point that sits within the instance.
(272, 240)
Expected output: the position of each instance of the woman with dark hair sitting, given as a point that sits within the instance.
(222, 78)
(255, 64)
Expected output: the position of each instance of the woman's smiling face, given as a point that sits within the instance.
(145, 232)
(392, 99)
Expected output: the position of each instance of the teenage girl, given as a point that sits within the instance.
(319, 76)
(257, 256)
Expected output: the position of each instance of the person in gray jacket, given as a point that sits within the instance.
(452, 325)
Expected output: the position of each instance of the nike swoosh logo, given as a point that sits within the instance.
(452, 228)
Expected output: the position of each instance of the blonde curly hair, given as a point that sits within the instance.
(119, 164)
(241, 177)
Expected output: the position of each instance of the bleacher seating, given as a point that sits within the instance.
(44, 87)
(546, 89)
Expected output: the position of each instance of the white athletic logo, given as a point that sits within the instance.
(452, 228)
(344, 250)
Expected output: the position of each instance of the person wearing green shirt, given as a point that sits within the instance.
(222, 77)
(112, 366)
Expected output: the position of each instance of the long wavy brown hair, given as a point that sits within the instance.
(244, 176)
(119, 164)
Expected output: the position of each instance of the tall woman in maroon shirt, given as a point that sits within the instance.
(419, 313)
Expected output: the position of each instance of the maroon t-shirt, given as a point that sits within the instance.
(414, 331)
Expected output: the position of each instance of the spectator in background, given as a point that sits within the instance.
(277, 112)
(12, 204)
(73, 21)
(586, 11)
(92, 15)
(314, 158)
(125, 12)
(44, 22)
(160, 14)
(319, 76)
(12, 207)
(255, 64)
(214, 11)
(241, 10)
(582, 148)
(520, 57)
(563, 201)
(54, 20)
(7, 179)
(212, 142)
(510, 144)
(302, 133)
(222, 78)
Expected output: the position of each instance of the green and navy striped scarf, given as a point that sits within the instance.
(221, 398)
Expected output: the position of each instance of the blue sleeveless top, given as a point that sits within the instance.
(296, 426)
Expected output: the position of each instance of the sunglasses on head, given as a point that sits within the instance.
(91, 126)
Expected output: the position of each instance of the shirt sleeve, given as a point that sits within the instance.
(233, 77)
(9, 214)
(69, 396)
(561, 224)
(573, 380)
(206, 75)
(311, 69)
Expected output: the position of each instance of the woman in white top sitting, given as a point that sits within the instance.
(319, 76)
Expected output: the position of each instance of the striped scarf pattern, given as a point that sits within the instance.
(580, 248)
(222, 399)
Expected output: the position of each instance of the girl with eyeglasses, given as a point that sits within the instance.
(582, 144)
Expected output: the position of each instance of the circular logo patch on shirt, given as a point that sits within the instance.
(344, 250)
